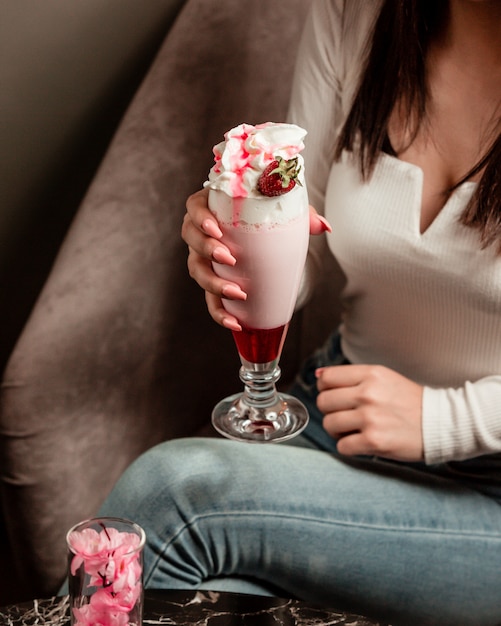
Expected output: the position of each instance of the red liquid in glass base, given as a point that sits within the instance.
(260, 345)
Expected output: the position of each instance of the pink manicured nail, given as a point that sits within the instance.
(233, 292)
(212, 229)
(231, 324)
(325, 224)
(319, 371)
(222, 255)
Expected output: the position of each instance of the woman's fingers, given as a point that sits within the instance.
(211, 228)
(371, 409)
(198, 212)
(207, 247)
(219, 313)
(216, 288)
(202, 234)
(318, 223)
(201, 231)
(202, 272)
(197, 206)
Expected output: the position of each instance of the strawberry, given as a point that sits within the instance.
(279, 177)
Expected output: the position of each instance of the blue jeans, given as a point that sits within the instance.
(403, 543)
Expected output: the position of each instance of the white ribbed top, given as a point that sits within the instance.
(425, 304)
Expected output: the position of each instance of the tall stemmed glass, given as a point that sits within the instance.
(268, 236)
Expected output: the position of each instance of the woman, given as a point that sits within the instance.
(389, 504)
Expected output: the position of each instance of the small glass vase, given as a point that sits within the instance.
(105, 572)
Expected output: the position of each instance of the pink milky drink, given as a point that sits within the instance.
(268, 236)
(269, 239)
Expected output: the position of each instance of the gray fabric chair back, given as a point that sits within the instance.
(119, 352)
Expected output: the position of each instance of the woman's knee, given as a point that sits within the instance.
(170, 474)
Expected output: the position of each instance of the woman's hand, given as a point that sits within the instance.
(371, 410)
(202, 234)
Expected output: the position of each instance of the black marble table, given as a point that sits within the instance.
(195, 608)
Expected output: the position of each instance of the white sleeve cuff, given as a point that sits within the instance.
(462, 423)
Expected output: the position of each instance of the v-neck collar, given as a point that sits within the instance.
(455, 202)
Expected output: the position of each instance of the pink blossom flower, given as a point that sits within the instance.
(109, 561)
(105, 555)
(124, 601)
(88, 615)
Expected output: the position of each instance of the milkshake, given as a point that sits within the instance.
(258, 194)
(267, 234)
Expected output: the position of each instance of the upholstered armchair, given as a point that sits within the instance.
(119, 352)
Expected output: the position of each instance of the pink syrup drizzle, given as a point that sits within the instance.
(241, 162)
(237, 211)
(217, 161)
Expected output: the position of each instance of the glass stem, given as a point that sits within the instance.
(259, 387)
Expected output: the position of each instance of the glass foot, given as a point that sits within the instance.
(235, 419)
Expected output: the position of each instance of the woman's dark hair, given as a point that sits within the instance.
(394, 75)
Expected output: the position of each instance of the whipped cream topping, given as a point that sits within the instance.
(262, 212)
(245, 153)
